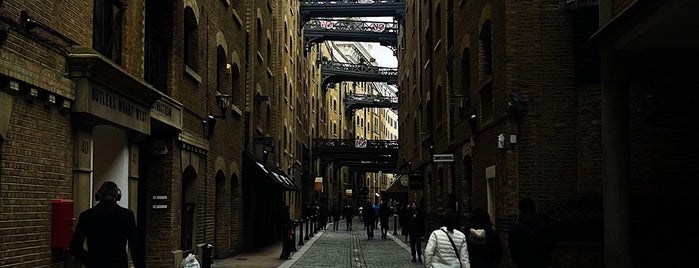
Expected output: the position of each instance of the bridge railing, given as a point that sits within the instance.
(360, 68)
(366, 98)
(355, 144)
(351, 26)
(346, 2)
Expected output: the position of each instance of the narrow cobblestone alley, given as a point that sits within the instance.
(352, 249)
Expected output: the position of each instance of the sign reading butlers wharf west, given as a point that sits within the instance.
(97, 100)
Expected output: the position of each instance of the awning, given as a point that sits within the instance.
(275, 175)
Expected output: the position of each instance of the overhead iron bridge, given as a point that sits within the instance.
(334, 72)
(320, 30)
(354, 102)
(351, 8)
(369, 154)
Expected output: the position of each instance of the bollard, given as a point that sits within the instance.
(308, 227)
(395, 225)
(208, 255)
(301, 233)
(313, 226)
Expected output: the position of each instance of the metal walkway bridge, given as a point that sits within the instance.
(351, 8)
(361, 155)
(320, 30)
(334, 72)
(355, 102)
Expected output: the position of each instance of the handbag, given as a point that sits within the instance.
(453, 246)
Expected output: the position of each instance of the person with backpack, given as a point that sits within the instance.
(530, 240)
(447, 246)
(484, 246)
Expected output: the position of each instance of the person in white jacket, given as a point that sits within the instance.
(441, 252)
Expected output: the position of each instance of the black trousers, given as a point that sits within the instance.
(416, 246)
(348, 223)
(336, 223)
(369, 229)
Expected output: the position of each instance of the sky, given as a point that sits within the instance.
(383, 55)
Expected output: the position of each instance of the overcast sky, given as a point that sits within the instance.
(383, 55)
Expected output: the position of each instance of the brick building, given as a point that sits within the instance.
(128, 91)
(512, 94)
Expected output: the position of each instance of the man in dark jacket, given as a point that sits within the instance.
(349, 213)
(530, 240)
(107, 228)
(369, 218)
(416, 229)
(384, 213)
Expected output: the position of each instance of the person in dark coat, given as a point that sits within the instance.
(530, 240)
(484, 246)
(349, 213)
(287, 226)
(416, 229)
(384, 213)
(107, 227)
(369, 219)
(403, 221)
(336, 216)
(322, 215)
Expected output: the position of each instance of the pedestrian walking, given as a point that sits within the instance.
(530, 240)
(107, 227)
(447, 246)
(484, 246)
(384, 213)
(403, 220)
(369, 219)
(336, 216)
(376, 209)
(416, 229)
(349, 213)
(287, 227)
(322, 215)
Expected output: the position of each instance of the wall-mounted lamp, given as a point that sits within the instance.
(27, 22)
(223, 101)
(473, 124)
(208, 125)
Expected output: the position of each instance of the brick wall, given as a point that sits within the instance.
(36, 167)
(36, 164)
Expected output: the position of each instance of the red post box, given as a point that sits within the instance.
(62, 223)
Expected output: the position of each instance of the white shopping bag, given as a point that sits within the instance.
(190, 262)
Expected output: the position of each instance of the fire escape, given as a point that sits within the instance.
(355, 102)
(320, 30)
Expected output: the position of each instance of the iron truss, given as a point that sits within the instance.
(351, 8)
(354, 102)
(372, 154)
(334, 72)
(319, 30)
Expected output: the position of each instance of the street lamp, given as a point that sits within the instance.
(223, 101)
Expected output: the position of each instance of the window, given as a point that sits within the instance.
(221, 76)
(107, 26)
(191, 43)
(485, 49)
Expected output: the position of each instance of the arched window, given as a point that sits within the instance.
(191, 39)
(485, 48)
(221, 76)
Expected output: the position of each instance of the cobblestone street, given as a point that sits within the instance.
(344, 248)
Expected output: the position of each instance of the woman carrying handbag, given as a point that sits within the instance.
(447, 246)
